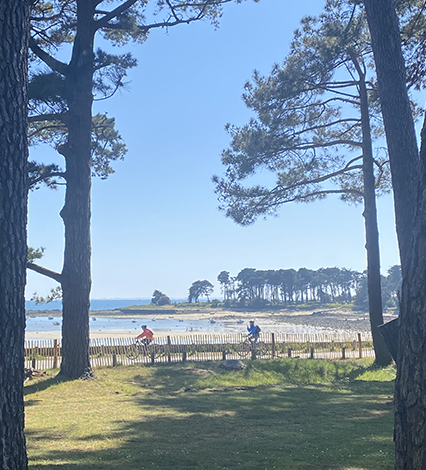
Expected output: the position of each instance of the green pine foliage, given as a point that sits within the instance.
(307, 131)
(289, 287)
(158, 298)
(200, 289)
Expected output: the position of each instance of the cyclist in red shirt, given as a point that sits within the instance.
(146, 336)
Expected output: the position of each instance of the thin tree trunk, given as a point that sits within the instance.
(383, 356)
(14, 21)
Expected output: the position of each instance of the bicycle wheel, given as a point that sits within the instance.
(157, 350)
(133, 351)
(244, 348)
(260, 349)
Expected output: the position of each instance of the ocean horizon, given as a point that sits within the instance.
(95, 304)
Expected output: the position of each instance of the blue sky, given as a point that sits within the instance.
(155, 223)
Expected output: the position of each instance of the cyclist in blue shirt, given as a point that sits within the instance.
(253, 331)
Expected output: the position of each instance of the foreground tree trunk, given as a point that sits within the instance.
(397, 116)
(13, 215)
(76, 276)
(410, 387)
(410, 208)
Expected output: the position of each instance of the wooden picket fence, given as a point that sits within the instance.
(46, 354)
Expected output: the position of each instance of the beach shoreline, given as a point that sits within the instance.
(269, 320)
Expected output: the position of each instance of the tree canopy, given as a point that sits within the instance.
(158, 298)
(308, 130)
(303, 286)
(200, 289)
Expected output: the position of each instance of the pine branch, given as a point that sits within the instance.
(48, 117)
(331, 143)
(280, 190)
(103, 22)
(328, 124)
(322, 103)
(323, 192)
(42, 178)
(52, 17)
(53, 63)
(45, 272)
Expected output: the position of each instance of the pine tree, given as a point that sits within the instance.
(314, 133)
(61, 113)
(14, 21)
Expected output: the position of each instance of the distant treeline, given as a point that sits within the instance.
(288, 286)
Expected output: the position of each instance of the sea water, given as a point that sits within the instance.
(53, 324)
(162, 326)
(95, 304)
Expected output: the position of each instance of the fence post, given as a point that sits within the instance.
(35, 354)
(183, 356)
(223, 355)
(152, 357)
(55, 353)
(344, 352)
(360, 345)
(169, 347)
(273, 344)
(253, 352)
(312, 353)
(114, 360)
(289, 352)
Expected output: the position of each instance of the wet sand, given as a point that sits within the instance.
(327, 319)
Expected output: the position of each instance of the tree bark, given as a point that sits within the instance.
(76, 213)
(410, 386)
(14, 22)
(409, 182)
(397, 116)
(383, 356)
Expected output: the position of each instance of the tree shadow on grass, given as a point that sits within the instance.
(39, 385)
(282, 427)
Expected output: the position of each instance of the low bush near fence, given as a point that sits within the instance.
(46, 354)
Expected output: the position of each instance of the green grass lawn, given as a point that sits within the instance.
(281, 414)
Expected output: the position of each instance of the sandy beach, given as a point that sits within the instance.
(236, 321)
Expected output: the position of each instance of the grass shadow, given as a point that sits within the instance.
(189, 417)
(40, 384)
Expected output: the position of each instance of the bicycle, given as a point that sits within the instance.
(138, 348)
(143, 348)
(250, 345)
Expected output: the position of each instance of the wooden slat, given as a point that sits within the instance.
(200, 347)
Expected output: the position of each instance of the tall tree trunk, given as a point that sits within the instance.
(410, 386)
(397, 116)
(410, 208)
(14, 22)
(375, 308)
(76, 276)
